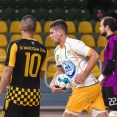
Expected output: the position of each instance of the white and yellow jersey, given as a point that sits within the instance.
(73, 57)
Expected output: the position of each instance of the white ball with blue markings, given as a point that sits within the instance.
(63, 81)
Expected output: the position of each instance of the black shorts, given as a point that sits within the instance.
(104, 95)
(13, 110)
(109, 96)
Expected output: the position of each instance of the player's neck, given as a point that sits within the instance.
(109, 33)
(63, 39)
(27, 35)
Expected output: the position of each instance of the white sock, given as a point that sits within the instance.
(113, 113)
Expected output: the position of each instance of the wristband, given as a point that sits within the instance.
(101, 78)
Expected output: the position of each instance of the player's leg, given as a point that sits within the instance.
(75, 103)
(11, 110)
(31, 111)
(112, 98)
(104, 95)
(80, 100)
(97, 107)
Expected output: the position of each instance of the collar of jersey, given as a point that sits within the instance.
(64, 43)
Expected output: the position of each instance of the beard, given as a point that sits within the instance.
(103, 34)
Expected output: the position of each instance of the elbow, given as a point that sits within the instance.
(0, 92)
(42, 74)
(95, 56)
(41, 77)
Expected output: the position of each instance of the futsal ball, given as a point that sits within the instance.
(63, 81)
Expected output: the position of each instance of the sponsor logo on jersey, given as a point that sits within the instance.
(32, 43)
(57, 56)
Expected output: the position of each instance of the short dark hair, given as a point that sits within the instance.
(110, 21)
(59, 24)
(28, 23)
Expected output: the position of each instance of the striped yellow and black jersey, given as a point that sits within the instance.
(28, 57)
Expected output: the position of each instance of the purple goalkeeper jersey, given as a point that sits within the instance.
(109, 53)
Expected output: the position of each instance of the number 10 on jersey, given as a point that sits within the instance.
(30, 66)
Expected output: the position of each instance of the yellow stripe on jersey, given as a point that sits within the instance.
(62, 46)
(3, 114)
(89, 52)
(44, 63)
(6, 104)
(12, 58)
(60, 54)
(76, 59)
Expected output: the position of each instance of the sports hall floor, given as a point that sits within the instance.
(58, 114)
(54, 113)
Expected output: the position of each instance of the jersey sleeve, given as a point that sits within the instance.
(111, 64)
(11, 54)
(81, 49)
(112, 50)
(57, 62)
(45, 62)
(56, 56)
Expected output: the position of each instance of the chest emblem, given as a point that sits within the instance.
(69, 68)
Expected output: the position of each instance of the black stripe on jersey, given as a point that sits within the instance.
(115, 51)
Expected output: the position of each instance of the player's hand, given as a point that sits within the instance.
(80, 78)
(55, 89)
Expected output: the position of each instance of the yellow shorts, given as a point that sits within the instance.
(86, 98)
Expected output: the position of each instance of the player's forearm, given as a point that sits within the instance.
(56, 74)
(52, 84)
(4, 80)
(59, 71)
(109, 69)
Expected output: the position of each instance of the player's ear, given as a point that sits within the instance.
(59, 32)
(107, 27)
(20, 27)
(36, 30)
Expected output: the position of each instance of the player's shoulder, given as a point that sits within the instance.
(17, 42)
(72, 41)
(115, 37)
(14, 42)
(38, 44)
(29, 42)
